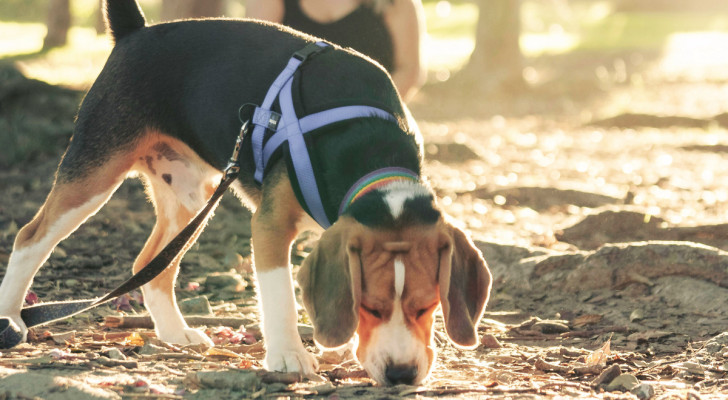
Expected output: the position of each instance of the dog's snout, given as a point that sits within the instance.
(401, 374)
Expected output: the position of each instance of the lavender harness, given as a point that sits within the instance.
(289, 128)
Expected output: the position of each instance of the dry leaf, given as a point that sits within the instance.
(218, 352)
(587, 319)
(135, 339)
(599, 356)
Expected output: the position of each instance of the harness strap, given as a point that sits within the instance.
(289, 128)
(323, 118)
(263, 121)
(300, 158)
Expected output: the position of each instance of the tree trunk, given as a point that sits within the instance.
(180, 9)
(58, 22)
(100, 24)
(497, 54)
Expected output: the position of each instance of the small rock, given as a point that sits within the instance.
(716, 344)
(692, 368)
(71, 282)
(643, 391)
(337, 356)
(489, 341)
(325, 389)
(59, 252)
(63, 338)
(227, 281)
(306, 331)
(276, 387)
(606, 376)
(150, 349)
(107, 362)
(236, 380)
(623, 383)
(116, 354)
(636, 315)
(198, 305)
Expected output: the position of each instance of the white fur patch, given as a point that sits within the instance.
(284, 350)
(169, 324)
(392, 343)
(168, 320)
(275, 289)
(398, 277)
(397, 193)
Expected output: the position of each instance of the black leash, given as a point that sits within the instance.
(44, 313)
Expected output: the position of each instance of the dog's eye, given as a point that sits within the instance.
(374, 313)
(424, 311)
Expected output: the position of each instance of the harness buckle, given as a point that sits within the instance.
(268, 119)
(311, 48)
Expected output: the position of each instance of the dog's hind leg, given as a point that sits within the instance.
(76, 195)
(179, 184)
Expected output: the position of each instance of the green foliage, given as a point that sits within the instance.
(23, 10)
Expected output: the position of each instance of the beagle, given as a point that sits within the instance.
(165, 108)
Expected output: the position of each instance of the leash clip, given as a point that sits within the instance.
(232, 169)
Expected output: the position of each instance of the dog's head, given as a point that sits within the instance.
(381, 271)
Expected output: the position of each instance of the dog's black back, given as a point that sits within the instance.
(188, 80)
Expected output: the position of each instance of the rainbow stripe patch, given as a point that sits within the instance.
(375, 180)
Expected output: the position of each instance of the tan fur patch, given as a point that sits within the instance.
(70, 195)
(274, 225)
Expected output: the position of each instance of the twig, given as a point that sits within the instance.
(173, 356)
(280, 377)
(532, 338)
(150, 396)
(593, 332)
(542, 365)
(145, 321)
(589, 369)
(114, 336)
(579, 386)
(457, 391)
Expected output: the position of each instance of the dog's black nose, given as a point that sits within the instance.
(401, 374)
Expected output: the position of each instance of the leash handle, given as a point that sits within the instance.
(44, 313)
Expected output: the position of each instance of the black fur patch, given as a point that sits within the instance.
(372, 211)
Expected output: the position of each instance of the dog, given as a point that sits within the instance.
(165, 108)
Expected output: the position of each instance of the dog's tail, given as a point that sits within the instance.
(123, 17)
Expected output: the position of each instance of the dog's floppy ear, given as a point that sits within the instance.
(464, 285)
(330, 280)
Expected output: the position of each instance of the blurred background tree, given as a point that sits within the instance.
(179, 9)
(58, 22)
(497, 56)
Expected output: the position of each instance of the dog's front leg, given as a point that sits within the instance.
(274, 229)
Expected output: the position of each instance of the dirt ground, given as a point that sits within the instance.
(598, 196)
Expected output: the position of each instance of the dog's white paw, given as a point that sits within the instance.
(186, 336)
(291, 359)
